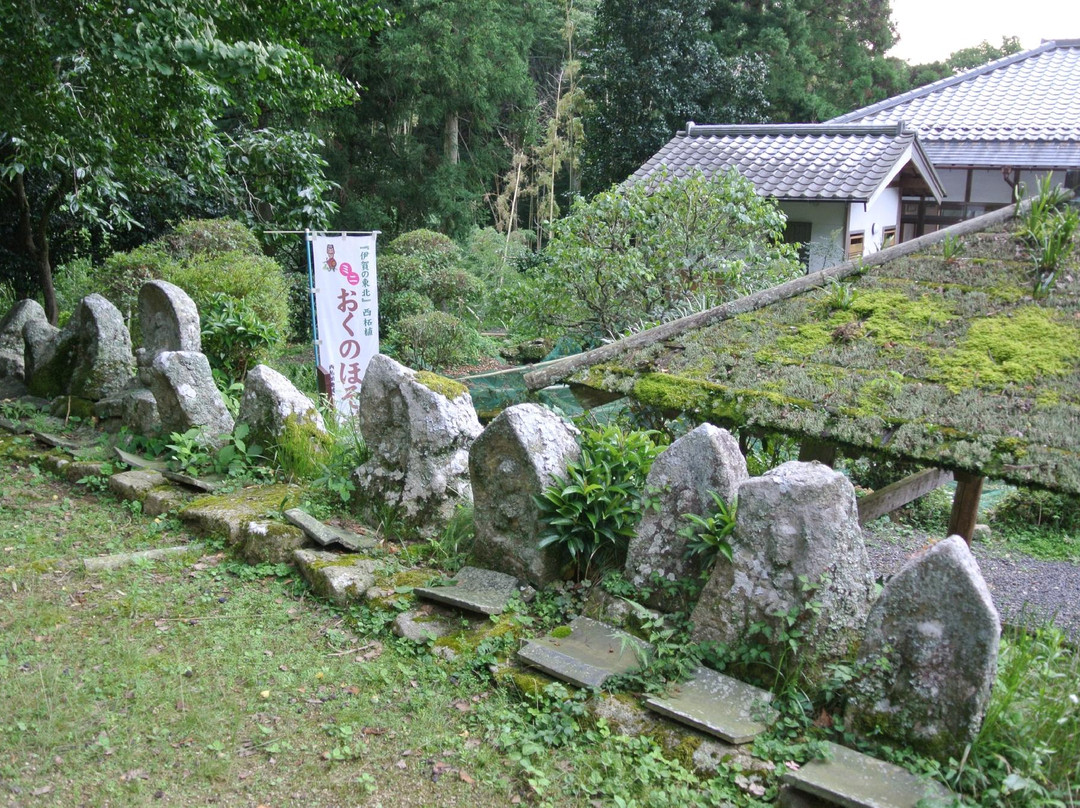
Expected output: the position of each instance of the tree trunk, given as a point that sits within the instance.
(35, 238)
(451, 143)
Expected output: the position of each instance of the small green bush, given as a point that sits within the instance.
(1025, 508)
(592, 512)
(234, 337)
(251, 277)
(436, 339)
(209, 237)
(434, 247)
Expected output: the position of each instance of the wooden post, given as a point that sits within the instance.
(814, 449)
(897, 495)
(965, 505)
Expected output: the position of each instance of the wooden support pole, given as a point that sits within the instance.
(897, 495)
(813, 449)
(965, 505)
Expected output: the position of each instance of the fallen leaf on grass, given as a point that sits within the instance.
(40, 792)
(401, 764)
(465, 778)
(134, 774)
(462, 705)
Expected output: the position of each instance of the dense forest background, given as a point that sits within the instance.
(121, 119)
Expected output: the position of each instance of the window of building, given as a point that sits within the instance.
(798, 233)
(855, 245)
(888, 237)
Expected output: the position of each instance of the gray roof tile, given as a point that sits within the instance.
(1029, 100)
(792, 161)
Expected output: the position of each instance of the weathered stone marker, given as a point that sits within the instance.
(936, 626)
(706, 459)
(514, 460)
(12, 343)
(418, 427)
(798, 552)
(271, 404)
(90, 358)
(187, 397)
(324, 534)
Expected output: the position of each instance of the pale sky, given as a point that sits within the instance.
(932, 29)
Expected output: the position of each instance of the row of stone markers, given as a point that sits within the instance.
(927, 647)
(87, 368)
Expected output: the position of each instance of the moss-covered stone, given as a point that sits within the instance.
(440, 384)
(227, 514)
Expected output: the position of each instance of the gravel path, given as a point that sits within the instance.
(1020, 585)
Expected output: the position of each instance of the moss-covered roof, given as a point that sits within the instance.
(946, 362)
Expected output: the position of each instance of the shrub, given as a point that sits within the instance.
(436, 339)
(254, 278)
(209, 237)
(234, 337)
(591, 513)
(641, 252)
(1025, 508)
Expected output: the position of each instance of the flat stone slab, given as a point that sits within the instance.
(11, 426)
(162, 468)
(854, 780)
(328, 534)
(343, 579)
(474, 590)
(590, 654)
(719, 705)
(55, 441)
(140, 462)
(117, 560)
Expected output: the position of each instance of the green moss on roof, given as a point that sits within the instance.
(944, 363)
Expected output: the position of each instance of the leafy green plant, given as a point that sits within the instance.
(188, 452)
(707, 536)
(841, 295)
(1048, 225)
(591, 512)
(1027, 752)
(237, 457)
(234, 337)
(952, 248)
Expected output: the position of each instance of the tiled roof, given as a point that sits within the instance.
(1021, 104)
(796, 161)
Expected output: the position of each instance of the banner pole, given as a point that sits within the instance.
(319, 383)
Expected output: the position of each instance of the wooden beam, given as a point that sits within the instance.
(965, 505)
(813, 449)
(897, 495)
(557, 371)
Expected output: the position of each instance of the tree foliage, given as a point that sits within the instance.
(962, 60)
(183, 100)
(639, 254)
(650, 69)
(824, 57)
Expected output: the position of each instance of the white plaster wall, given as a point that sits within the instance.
(827, 237)
(883, 213)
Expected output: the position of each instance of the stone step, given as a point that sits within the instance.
(474, 590)
(328, 534)
(588, 654)
(853, 780)
(717, 704)
(117, 560)
(137, 462)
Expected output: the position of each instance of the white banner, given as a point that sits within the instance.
(346, 312)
